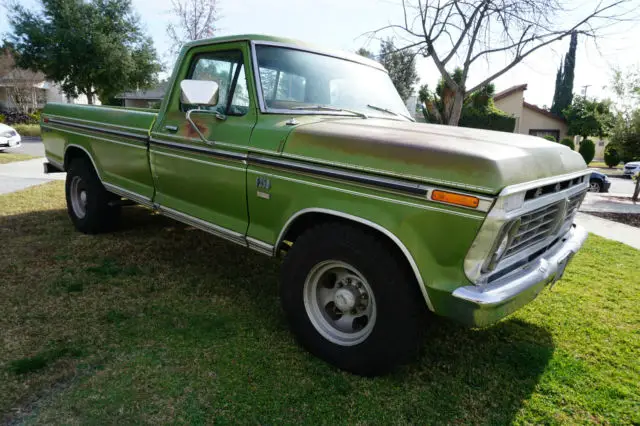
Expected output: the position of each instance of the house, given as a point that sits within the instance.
(150, 98)
(530, 119)
(26, 90)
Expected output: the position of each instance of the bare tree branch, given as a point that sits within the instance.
(196, 19)
(472, 29)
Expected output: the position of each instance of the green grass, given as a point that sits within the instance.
(27, 129)
(602, 165)
(162, 323)
(10, 157)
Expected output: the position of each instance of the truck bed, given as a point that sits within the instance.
(115, 138)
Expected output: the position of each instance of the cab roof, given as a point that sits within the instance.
(286, 42)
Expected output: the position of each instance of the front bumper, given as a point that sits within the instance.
(605, 186)
(630, 172)
(483, 305)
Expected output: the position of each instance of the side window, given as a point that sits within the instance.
(226, 69)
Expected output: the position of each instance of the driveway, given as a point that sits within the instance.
(23, 174)
(30, 145)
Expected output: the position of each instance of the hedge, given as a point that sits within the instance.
(611, 156)
(587, 150)
(491, 120)
(27, 129)
(568, 142)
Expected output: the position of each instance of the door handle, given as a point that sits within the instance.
(171, 128)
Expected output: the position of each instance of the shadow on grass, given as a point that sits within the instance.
(195, 312)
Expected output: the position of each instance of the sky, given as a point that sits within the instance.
(341, 24)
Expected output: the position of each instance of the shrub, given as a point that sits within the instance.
(2, 118)
(35, 115)
(13, 117)
(587, 150)
(27, 129)
(550, 138)
(611, 156)
(568, 142)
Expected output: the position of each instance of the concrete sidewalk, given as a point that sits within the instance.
(626, 234)
(23, 174)
(609, 203)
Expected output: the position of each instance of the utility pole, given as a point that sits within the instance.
(584, 90)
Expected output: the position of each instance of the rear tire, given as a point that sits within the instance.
(351, 299)
(89, 204)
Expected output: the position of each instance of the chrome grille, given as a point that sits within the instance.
(572, 206)
(534, 227)
(540, 224)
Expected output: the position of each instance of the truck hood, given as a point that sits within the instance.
(472, 159)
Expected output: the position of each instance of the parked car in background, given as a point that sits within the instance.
(9, 138)
(599, 182)
(631, 168)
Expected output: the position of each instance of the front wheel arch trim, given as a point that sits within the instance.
(403, 249)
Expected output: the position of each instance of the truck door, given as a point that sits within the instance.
(203, 182)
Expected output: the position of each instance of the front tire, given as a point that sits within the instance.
(351, 300)
(89, 205)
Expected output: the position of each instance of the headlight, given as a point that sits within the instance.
(503, 243)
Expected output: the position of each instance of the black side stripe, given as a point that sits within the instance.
(200, 150)
(396, 185)
(141, 138)
(392, 184)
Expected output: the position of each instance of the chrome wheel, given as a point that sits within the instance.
(339, 302)
(78, 193)
(594, 187)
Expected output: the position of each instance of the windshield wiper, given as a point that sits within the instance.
(328, 108)
(388, 111)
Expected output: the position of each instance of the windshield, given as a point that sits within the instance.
(296, 80)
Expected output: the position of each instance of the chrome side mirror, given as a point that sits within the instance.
(199, 92)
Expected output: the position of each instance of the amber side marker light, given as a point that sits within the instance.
(457, 199)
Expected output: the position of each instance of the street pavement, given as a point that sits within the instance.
(30, 145)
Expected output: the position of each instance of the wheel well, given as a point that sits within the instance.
(311, 219)
(73, 152)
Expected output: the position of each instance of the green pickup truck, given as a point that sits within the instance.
(292, 150)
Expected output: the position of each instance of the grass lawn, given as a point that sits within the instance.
(162, 323)
(10, 157)
(602, 165)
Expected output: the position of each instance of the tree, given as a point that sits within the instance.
(401, 65)
(588, 117)
(93, 47)
(563, 95)
(196, 20)
(473, 30)
(366, 53)
(626, 86)
(479, 110)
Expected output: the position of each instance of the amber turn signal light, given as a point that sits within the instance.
(457, 199)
